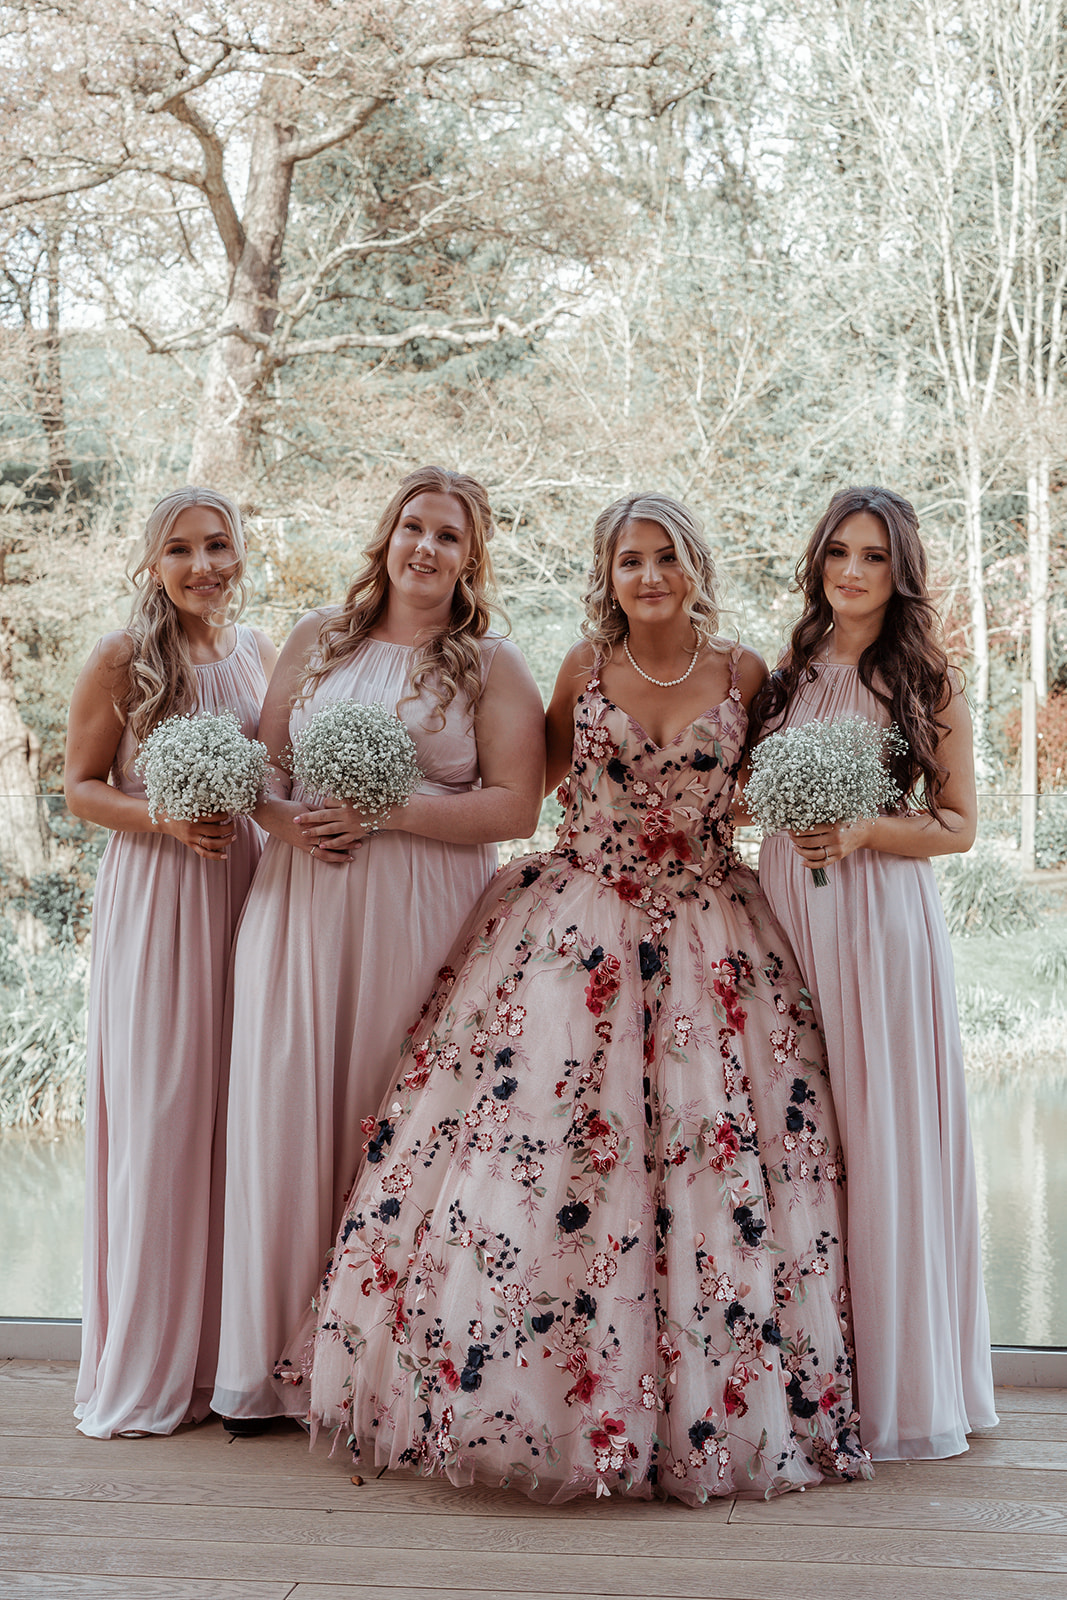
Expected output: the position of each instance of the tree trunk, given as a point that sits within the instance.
(972, 515)
(24, 836)
(230, 418)
(50, 376)
(1038, 541)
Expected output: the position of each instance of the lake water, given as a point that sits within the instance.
(1020, 1137)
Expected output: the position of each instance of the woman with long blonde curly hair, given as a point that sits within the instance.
(167, 898)
(347, 923)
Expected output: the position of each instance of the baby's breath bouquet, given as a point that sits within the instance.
(360, 753)
(822, 772)
(197, 766)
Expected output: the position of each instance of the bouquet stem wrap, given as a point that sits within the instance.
(359, 753)
(822, 772)
(201, 766)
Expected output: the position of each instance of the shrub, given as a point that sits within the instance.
(1051, 738)
(1051, 964)
(62, 903)
(983, 893)
(1050, 835)
(1007, 1038)
(42, 1040)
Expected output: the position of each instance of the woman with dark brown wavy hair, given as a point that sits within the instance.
(345, 925)
(873, 947)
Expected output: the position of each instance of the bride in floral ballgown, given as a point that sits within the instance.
(596, 1243)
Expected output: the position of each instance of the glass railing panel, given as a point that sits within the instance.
(48, 863)
(1009, 936)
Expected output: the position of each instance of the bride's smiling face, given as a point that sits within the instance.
(646, 577)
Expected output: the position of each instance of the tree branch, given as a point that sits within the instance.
(49, 191)
(374, 244)
(213, 181)
(459, 336)
(463, 334)
(337, 132)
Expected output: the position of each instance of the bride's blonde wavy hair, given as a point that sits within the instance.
(606, 623)
(450, 661)
(160, 677)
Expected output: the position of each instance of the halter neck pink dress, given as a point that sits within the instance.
(874, 952)
(163, 924)
(331, 967)
(595, 1245)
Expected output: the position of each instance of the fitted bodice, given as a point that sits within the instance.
(653, 815)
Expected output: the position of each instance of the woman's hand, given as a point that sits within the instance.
(336, 825)
(832, 841)
(282, 819)
(206, 836)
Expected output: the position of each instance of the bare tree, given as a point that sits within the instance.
(1030, 67)
(261, 91)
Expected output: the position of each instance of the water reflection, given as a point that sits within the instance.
(41, 1209)
(1020, 1139)
(1020, 1147)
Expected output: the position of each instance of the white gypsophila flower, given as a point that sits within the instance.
(200, 766)
(822, 772)
(360, 753)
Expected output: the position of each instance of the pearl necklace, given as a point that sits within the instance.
(661, 683)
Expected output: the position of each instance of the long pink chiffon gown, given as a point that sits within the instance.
(595, 1247)
(331, 967)
(163, 925)
(874, 951)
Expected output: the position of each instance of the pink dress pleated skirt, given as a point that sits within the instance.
(163, 925)
(331, 968)
(873, 948)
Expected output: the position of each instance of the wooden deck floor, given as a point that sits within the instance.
(198, 1517)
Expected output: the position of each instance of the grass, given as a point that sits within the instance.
(1012, 1001)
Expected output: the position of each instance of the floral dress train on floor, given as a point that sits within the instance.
(596, 1242)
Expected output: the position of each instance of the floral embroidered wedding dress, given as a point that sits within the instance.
(596, 1242)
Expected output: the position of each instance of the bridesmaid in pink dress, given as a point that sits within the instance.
(167, 900)
(873, 948)
(344, 932)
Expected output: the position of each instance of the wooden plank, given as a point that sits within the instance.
(45, 1586)
(394, 1493)
(999, 1450)
(17, 1369)
(189, 1451)
(610, 1535)
(869, 1507)
(733, 1580)
(202, 1467)
(944, 1478)
(1011, 1399)
(304, 1535)
(1025, 1425)
(337, 1591)
(838, 1572)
